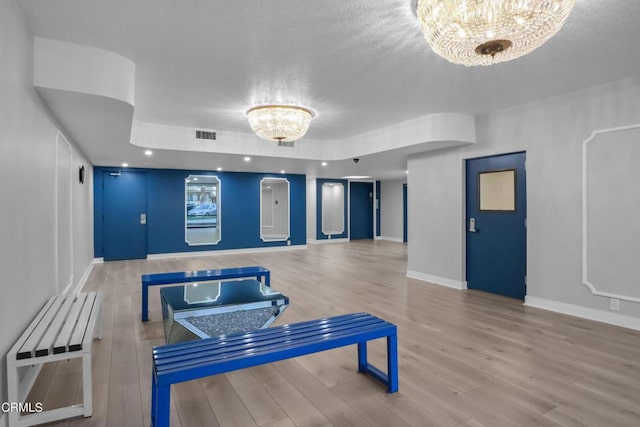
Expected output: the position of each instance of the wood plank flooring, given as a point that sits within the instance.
(467, 358)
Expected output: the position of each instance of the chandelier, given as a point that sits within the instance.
(281, 123)
(485, 32)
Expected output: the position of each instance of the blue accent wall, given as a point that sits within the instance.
(239, 205)
(319, 234)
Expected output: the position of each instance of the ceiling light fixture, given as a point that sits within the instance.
(247, 159)
(148, 152)
(280, 123)
(473, 32)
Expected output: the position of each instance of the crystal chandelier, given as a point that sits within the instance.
(485, 32)
(281, 123)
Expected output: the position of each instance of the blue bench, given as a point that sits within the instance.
(176, 363)
(198, 276)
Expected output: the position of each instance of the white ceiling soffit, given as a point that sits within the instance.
(91, 92)
(429, 132)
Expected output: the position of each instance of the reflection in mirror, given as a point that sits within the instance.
(274, 209)
(202, 210)
(332, 208)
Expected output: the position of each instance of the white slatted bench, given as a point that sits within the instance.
(63, 329)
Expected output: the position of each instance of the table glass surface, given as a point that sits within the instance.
(206, 309)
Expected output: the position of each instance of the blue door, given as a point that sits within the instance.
(124, 221)
(404, 214)
(496, 224)
(361, 210)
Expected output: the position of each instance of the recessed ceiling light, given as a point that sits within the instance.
(219, 169)
(125, 165)
(324, 163)
(148, 152)
(195, 179)
(247, 159)
(282, 171)
(406, 171)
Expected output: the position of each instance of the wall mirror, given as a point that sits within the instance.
(332, 208)
(202, 210)
(274, 209)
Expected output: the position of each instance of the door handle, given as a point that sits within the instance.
(143, 219)
(472, 225)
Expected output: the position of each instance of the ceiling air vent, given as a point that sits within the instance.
(205, 134)
(285, 144)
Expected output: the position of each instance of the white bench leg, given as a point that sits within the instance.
(99, 323)
(12, 389)
(87, 387)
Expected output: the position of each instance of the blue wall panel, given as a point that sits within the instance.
(239, 207)
(319, 234)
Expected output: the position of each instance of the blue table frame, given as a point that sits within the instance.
(177, 277)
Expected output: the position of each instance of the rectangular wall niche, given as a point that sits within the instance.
(274, 209)
(332, 208)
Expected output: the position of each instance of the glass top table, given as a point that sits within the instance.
(206, 309)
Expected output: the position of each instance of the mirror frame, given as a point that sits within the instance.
(218, 209)
(288, 235)
(324, 230)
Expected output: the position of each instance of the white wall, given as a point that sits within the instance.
(27, 190)
(391, 221)
(552, 132)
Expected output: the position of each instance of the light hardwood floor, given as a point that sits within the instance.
(467, 358)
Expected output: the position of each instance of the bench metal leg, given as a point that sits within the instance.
(153, 397)
(162, 405)
(363, 365)
(267, 278)
(392, 364)
(99, 323)
(390, 379)
(12, 389)
(145, 303)
(87, 386)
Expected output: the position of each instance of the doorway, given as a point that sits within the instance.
(361, 210)
(496, 235)
(124, 220)
(405, 216)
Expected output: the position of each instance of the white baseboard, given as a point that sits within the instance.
(390, 239)
(442, 281)
(584, 312)
(85, 276)
(225, 252)
(321, 241)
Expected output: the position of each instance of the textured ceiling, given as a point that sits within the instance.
(361, 65)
